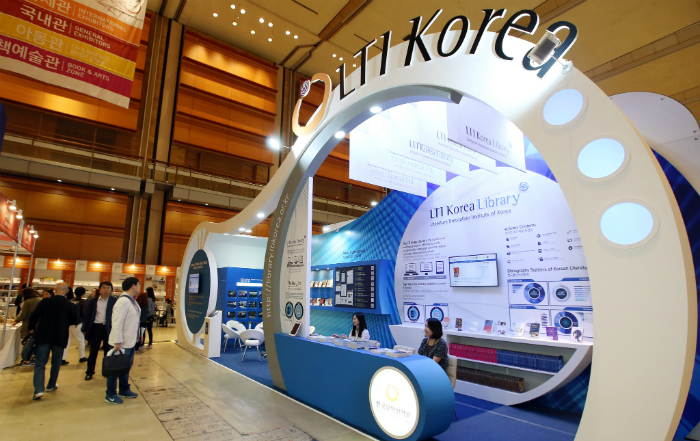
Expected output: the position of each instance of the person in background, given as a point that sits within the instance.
(123, 336)
(93, 293)
(69, 295)
(433, 345)
(31, 300)
(142, 300)
(48, 293)
(168, 312)
(76, 331)
(19, 299)
(359, 330)
(96, 324)
(50, 321)
(151, 316)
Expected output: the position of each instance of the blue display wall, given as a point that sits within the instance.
(239, 295)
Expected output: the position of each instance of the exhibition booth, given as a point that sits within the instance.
(527, 216)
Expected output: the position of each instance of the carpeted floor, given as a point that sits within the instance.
(478, 420)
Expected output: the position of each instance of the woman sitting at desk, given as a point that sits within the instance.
(433, 346)
(359, 329)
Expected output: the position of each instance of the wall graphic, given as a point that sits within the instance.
(197, 290)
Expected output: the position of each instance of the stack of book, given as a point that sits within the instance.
(490, 379)
(546, 363)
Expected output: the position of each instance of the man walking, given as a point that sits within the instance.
(76, 331)
(123, 336)
(97, 323)
(51, 320)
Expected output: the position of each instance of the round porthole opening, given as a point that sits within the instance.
(601, 158)
(627, 223)
(563, 107)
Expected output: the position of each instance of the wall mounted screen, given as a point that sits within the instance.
(474, 270)
(193, 286)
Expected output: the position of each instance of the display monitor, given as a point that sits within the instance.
(474, 270)
(193, 287)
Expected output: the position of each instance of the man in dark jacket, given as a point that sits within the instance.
(97, 323)
(50, 322)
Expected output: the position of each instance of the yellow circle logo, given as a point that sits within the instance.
(389, 393)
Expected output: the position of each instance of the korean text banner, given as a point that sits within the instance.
(89, 46)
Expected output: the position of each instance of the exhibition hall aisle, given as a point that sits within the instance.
(182, 396)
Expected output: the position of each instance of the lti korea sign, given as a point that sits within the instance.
(89, 46)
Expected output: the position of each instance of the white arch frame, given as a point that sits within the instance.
(639, 382)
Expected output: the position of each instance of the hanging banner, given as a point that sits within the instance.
(170, 287)
(21, 262)
(9, 224)
(69, 277)
(89, 46)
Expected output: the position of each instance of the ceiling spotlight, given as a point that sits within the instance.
(261, 215)
(274, 143)
(269, 39)
(60, 180)
(340, 134)
(19, 214)
(262, 20)
(216, 15)
(179, 200)
(341, 58)
(270, 24)
(252, 32)
(241, 229)
(233, 6)
(13, 205)
(354, 65)
(36, 236)
(288, 32)
(373, 203)
(31, 229)
(375, 109)
(248, 231)
(206, 204)
(333, 55)
(112, 189)
(544, 48)
(235, 24)
(296, 36)
(326, 228)
(242, 11)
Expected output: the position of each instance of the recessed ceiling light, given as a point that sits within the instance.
(374, 203)
(206, 204)
(333, 55)
(252, 32)
(216, 15)
(235, 24)
(242, 11)
(112, 189)
(288, 32)
(375, 109)
(233, 6)
(179, 200)
(341, 58)
(325, 228)
(241, 229)
(262, 20)
(270, 24)
(261, 215)
(339, 134)
(354, 65)
(248, 231)
(269, 39)
(60, 180)
(296, 36)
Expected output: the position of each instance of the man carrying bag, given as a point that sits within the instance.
(123, 335)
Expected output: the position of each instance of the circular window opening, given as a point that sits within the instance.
(627, 223)
(563, 107)
(601, 158)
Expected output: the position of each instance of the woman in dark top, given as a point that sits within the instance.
(433, 346)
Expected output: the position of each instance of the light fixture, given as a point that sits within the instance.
(354, 65)
(241, 229)
(31, 229)
(233, 6)
(19, 214)
(36, 236)
(375, 109)
(60, 180)
(13, 205)
(252, 32)
(112, 189)
(288, 32)
(270, 24)
(544, 49)
(326, 228)
(273, 143)
(206, 204)
(333, 55)
(341, 58)
(242, 11)
(249, 231)
(179, 200)
(373, 203)
(339, 134)
(261, 215)
(262, 20)
(269, 39)
(296, 36)
(216, 15)
(235, 24)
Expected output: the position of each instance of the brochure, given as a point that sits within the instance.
(577, 334)
(552, 333)
(501, 329)
(458, 324)
(488, 326)
(534, 330)
(520, 329)
(474, 327)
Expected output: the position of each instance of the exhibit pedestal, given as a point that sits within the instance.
(537, 382)
(212, 335)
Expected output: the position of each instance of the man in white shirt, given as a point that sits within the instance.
(126, 318)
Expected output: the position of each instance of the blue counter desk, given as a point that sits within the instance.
(337, 380)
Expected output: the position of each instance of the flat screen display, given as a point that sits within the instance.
(474, 270)
(193, 286)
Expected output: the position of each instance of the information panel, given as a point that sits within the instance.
(355, 286)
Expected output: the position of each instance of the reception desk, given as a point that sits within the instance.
(407, 398)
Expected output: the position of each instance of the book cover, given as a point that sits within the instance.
(520, 329)
(534, 330)
(474, 327)
(501, 328)
(577, 334)
(488, 326)
(552, 333)
(458, 324)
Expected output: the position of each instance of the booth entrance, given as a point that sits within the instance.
(601, 205)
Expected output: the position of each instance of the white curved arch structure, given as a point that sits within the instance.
(639, 382)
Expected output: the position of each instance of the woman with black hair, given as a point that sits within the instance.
(359, 330)
(433, 346)
(151, 315)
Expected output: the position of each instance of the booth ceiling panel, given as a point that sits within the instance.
(314, 14)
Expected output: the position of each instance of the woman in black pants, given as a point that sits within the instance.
(151, 316)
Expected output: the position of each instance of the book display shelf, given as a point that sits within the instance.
(506, 369)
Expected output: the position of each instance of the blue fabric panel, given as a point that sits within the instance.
(346, 397)
(336, 322)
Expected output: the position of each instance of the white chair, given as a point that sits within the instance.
(405, 348)
(312, 329)
(235, 325)
(228, 334)
(252, 338)
(259, 326)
